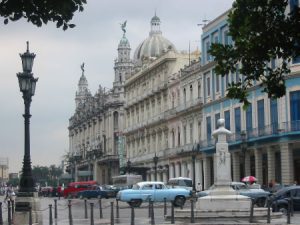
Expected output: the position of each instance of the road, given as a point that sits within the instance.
(141, 214)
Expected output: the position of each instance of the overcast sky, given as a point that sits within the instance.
(59, 55)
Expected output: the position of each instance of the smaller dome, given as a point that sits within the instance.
(155, 19)
(83, 81)
(124, 43)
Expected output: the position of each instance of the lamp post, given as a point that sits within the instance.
(155, 160)
(194, 152)
(244, 148)
(27, 85)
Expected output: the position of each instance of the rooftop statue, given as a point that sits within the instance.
(82, 68)
(123, 26)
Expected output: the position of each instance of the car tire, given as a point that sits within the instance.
(179, 201)
(261, 202)
(135, 203)
(283, 209)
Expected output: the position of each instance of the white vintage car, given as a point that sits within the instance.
(155, 191)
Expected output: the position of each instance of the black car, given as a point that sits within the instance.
(280, 199)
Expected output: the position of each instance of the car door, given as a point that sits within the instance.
(296, 199)
(148, 191)
(159, 192)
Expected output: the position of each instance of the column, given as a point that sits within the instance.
(258, 165)
(183, 169)
(152, 176)
(206, 168)
(190, 169)
(287, 164)
(247, 162)
(171, 170)
(177, 170)
(236, 166)
(165, 177)
(198, 171)
(271, 163)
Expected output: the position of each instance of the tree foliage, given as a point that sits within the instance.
(43, 174)
(40, 12)
(261, 30)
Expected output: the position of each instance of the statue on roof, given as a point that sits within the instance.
(123, 26)
(82, 68)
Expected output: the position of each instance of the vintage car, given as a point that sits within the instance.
(104, 191)
(155, 191)
(259, 195)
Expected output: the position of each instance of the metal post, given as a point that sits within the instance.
(30, 215)
(12, 208)
(165, 206)
(55, 208)
(132, 216)
(251, 211)
(269, 210)
(85, 209)
(172, 213)
(70, 213)
(192, 211)
(1, 218)
(292, 206)
(100, 208)
(117, 208)
(152, 214)
(50, 215)
(92, 213)
(149, 208)
(9, 212)
(112, 222)
(288, 219)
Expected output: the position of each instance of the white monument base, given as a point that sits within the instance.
(224, 202)
(21, 215)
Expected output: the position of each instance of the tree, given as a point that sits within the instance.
(261, 31)
(40, 12)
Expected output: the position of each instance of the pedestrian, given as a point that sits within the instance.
(199, 187)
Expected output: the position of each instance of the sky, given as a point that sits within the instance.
(59, 55)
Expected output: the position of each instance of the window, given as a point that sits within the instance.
(260, 116)
(226, 37)
(208, 128)
(226, 81)
(199, 90)
(227, 119)
(208, 86)
(178, 141)
(274, 115)
(295, 109)
(217, 117)
(191, 92)
(237, 115)
(249, 118)
(184, 135)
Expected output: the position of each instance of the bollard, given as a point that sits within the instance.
(55, 208)
(117, 208)
(30, 215)
(100, 208)
(152, 214)
(269, 210)
(9, 212)
(70, 213)
(85, 209)
(172, 213)
(165, 206)
(292, 206)
(12, 208)
(251, 211)
(192, 211)
(112, 221)
(1, 218)
(50, 215)
(92, 213)
(288, 214)
(132, 216)
(149, 208)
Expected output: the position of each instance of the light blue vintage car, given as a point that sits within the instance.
(155, 191)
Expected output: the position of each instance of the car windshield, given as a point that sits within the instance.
(135, 187)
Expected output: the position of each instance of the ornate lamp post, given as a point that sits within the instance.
(244, 146)
(155, 160)
(27, 85)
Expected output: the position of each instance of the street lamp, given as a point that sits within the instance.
(27, 85)
(155, 160)
(244, 148)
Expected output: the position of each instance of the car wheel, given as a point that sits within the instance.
(135, 203)
(261, 202)
(283, 209)
(179, 201)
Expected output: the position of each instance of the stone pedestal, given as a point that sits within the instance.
(23, 202)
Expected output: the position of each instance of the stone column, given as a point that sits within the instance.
(206, 168)
(183, 169)
(287, 164)
(171, 170)
(198, 166)
(258, 165)
(247, 162)
(177, 170)
(165, 179)
(236, 166)
(190, 169)
(271, 163)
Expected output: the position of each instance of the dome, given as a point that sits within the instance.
(83, 81)
(124, 42)
(155, 45)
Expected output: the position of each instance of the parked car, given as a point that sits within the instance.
(259, 195)
(74, 187)
(281, 197)
(155, 191)
(181, 182)
(104, 191)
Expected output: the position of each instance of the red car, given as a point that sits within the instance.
(74, 187)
